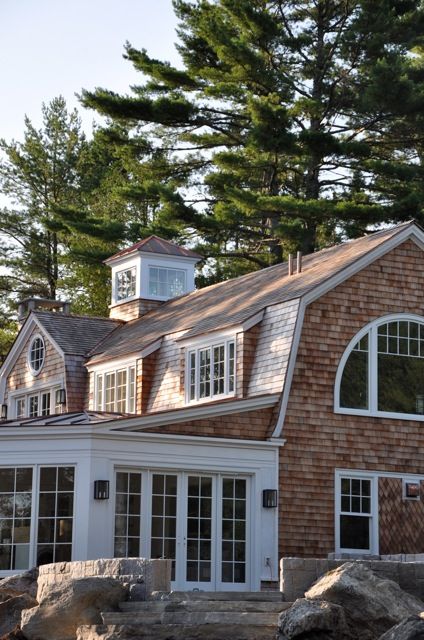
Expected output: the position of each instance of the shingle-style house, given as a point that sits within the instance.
(277, 414)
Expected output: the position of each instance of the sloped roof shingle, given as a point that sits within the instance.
(76, 335)
(154, 244)
(231, 302)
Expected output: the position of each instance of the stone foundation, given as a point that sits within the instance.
(298, 574)
(143, 576)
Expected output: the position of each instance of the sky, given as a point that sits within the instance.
(57, 47)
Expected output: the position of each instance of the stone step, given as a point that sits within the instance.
(204, 605)
(178, 632)
(245, 596)
(252, 618)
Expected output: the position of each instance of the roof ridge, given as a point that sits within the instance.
(77, 315)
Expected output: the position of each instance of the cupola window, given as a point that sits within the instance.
(126, 283)
(166, 283)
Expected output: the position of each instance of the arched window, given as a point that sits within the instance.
(382, 370)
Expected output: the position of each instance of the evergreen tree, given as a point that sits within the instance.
(281, 122)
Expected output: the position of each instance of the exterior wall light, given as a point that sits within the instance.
(269, 498)
(101, 489)
(61, 396)
(4, 411)
(412, 490)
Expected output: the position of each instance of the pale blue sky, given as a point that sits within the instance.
(57, 47)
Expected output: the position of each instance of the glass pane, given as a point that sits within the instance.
(48, 479)
(355, 532)
(354, 384)
(7, 480)
(65, 477)
(21, 557)
(23, 480)
(400, 383)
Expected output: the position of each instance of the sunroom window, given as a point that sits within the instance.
(211, 371)
(115, 390)
(382, 371)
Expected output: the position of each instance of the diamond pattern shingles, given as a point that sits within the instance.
(76, 334)
(231, 302)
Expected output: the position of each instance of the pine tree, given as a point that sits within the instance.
(280, 111)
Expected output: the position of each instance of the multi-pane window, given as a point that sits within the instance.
(42, 403)
(15, 517)
(127, 514)
(55, 514)
(199, 529)
(234, 521)
(115, 391)
(355, 513)
(36, 355)
(166, 283)
(164, 517)
(384, 370)
(126, 283)
(211, 371)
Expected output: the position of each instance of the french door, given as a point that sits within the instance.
(200, 521)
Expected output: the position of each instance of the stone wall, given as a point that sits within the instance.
(298, 574)
(146, 575)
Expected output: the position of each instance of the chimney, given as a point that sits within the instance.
(43, 304)
(299, 262)
(290, 264)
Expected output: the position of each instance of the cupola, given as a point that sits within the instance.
(147, 274)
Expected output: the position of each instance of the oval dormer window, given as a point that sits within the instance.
(36, 355)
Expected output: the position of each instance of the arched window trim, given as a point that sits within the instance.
(372, 329)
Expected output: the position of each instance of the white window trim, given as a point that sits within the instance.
(34, 372)
(198, 346)
(178, 267)
(373, 516)
(103, 372)
(35, 500)
(372, 328)
(134, 295)
(36, 389)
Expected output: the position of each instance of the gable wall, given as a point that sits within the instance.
(20, 376)
(318, 440)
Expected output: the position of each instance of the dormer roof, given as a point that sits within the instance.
(154, 244)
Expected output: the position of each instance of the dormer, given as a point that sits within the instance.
(149, 273)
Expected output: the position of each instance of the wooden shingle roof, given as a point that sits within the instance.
(232, 302)
(74, 334)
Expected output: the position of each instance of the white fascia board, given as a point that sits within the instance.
(410, 233)
(23, 335)
(290, 371)
(167, 257)
(218, 334)
(120, 363)
(195, 413)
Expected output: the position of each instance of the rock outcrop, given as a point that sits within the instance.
(314, 619)
(16, 594)
(65, 605)
(410, 629)
(349, 602)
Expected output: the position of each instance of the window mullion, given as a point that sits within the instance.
(211, 371)
(373, 370)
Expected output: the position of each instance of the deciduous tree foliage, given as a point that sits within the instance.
(289, 123)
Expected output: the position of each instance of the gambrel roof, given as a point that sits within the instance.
(232, 302)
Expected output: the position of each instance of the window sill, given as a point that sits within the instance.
(380, 414)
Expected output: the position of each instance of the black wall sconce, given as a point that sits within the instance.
(61, 397)
(269, 498)
(101, 489)
(4, 411)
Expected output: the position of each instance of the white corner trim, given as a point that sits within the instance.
(195, 413)
(290, 370)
